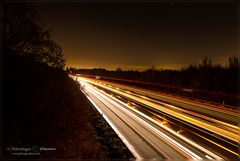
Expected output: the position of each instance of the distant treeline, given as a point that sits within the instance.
(205, 75)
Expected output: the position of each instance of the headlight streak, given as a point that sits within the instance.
(207, 155)
(234, 128)
(217, 144)
(184, 149)
(164, 136)
(203, 105)
(208, 140)
(204, 125)
(130, 147)
(173, 132)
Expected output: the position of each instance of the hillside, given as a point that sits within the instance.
(43, 107)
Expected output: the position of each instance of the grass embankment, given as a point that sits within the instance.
(43, 107)
(111, 143)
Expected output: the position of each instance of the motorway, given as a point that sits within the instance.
(215, 111)
(148, 137)
(219, 112)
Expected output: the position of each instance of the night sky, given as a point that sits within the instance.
(137, 35)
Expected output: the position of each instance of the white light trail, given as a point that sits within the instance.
(164, 136)
(168, 129)
(222, 132)
(130, 147)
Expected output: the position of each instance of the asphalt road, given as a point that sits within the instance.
(145, 137)
(219, 112)
(220, 128)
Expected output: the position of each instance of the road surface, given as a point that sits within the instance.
(145, 137)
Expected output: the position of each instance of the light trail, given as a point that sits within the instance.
(184, 149)
(205, 105)
(125, 141)
(231, 127)
(173, 132)
(217, 144)
(232, 136)
(167, 138)
(103, 97)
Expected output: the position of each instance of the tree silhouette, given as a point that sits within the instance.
(118, 70)
(23, 35)
(233, 62)
(205, 75)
